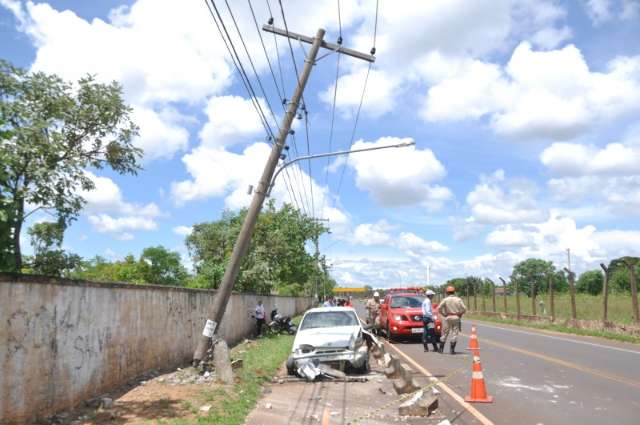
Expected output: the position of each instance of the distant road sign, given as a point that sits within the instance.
(347, 290)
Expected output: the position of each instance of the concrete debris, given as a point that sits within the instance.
(405, 386)
(222, 362)
(419, 404)
(205, 408)
(445, 422)
(268, 405)
(106, 403)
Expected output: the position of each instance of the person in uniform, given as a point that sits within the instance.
(373, 309)
(451, 310)
(429, 331)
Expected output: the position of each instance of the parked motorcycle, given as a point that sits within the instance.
(280, 323)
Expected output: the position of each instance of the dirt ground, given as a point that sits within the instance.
(183, 394)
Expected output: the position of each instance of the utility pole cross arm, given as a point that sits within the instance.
(324, 44)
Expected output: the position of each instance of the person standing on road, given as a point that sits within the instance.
(451, 309)
(330, 302)
(259, 314)
(373, 309)
(429, 332)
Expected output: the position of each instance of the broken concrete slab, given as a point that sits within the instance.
(405, 386)
(420, 404)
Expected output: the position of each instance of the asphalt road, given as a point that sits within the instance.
(542, 378)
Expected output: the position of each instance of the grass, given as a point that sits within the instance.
(231, 405)
(558, 328)
(588, 307)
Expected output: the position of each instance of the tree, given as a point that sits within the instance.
(276, 259)
(590, 282)
(49, 258)
(532, 271)
(162, 267)
(57, 130)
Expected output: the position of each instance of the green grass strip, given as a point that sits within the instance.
(558, 328)
(261, 360)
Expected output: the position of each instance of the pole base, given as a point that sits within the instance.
(470, 399)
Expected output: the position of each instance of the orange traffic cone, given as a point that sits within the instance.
(478, 389)
(473, 342)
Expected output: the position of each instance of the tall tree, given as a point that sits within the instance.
(56, 130)
(532, 271)
(162, 266)
(277, 257)
(49, 258)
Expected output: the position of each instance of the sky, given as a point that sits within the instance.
(525, 116)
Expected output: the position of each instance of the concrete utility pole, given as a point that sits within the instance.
(244, 237)
(317, 257)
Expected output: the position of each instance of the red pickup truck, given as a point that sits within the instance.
(401, 313)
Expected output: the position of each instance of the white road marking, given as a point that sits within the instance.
(624, 350)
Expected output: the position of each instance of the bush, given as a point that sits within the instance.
(590, 282)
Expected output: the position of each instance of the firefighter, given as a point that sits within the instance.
(373, 308)
(451, 310)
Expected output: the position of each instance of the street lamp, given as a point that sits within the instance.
(324, 155)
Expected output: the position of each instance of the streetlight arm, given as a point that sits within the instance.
(324, 155)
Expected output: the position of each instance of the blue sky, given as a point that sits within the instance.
(524, 113)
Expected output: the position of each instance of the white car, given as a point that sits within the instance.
(330, 335)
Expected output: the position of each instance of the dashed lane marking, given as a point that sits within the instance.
(545, 335)
(468, 407)
(564, 363)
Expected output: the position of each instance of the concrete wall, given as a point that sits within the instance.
(63, 341)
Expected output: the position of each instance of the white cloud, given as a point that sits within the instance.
(507, 236)
(379, 96)
(539, 94)
(415, 246)
(107, 197)
(160, 136)
(402, 176)
(605, 11)
(182, 230)
(105, 223)
(372, 233)
(486, 31)
(231, 120)
(572, 159)
(159, 60)
(108, 212)
(607, 178)
(496, 200)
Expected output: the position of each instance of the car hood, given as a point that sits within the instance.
(405, 310)
(340, 336)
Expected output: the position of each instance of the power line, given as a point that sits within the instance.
(364, 89)
(355, 126)
(255, 72)
(295, 67)
(235, 58)
(306, 126)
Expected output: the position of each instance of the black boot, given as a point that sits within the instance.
(441, 349)
(453, 348)
(435, 347)
(426, 347)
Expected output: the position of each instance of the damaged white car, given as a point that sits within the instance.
(332, 336)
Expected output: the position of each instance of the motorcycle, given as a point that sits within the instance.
(280, 323)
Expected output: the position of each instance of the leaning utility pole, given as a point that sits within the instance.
(244, 237)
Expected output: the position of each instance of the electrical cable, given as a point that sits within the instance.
(245, 80)
(255, 72)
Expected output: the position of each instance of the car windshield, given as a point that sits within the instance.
(406, 301)
(329, 319)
